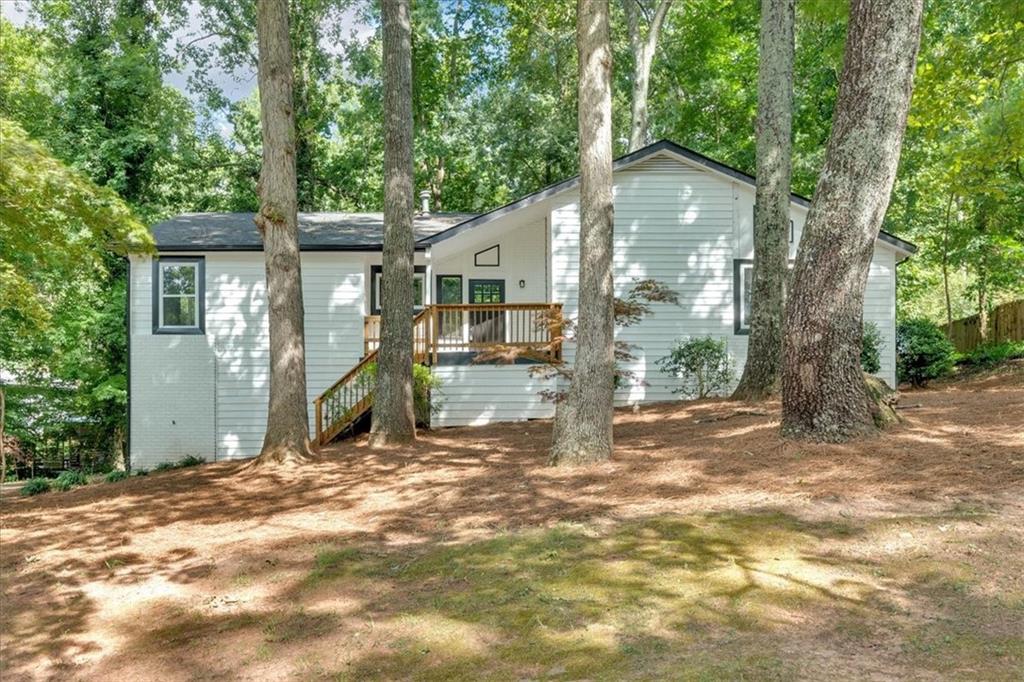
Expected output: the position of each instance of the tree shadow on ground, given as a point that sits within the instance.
(66, 556)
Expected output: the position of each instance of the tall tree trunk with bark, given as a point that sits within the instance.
(823, 391)
(394, 420)
(287, 435)
(583, 421)
(771, 213)
(642, 49)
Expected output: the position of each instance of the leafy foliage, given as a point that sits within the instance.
(115, 476)
(35, 486)
(923, 352)
(703, 364)
(871, 348)
(993, 354)
(184, 462)
(427, 398)
(69, 479)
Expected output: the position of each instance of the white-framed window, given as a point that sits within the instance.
(179, 290)
(419, 291)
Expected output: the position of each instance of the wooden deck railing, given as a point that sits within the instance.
(474, 327)
(439, 329)
(351, 396)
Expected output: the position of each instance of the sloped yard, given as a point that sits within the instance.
(707, 549)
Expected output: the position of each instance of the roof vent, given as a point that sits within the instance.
(425, 202)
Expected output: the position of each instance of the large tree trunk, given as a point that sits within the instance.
(642, 49)
(771, 214)
(394, 420)
(823, 391)
(583, 422)
(287, 436)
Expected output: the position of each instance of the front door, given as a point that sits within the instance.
(486, 325)
(449, 291)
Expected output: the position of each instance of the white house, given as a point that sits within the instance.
(198, 317)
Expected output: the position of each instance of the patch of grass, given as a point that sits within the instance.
(35, 486)
(115, 476)
(69, 479)
(583, 603)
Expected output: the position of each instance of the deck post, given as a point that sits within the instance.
(319, 421)
(433, 335)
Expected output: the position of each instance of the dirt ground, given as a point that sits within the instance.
(708, 548)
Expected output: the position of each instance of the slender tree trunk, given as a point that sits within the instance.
(643, 50)
(583, 422)
(3, 443)
(945, 267)
(287, 436)
(394, 420)
(771, 213)
(982, 306)
(823, 392)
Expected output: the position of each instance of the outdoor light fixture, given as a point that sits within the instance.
(522, 284)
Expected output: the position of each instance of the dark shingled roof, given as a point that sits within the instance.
(317, 231)
(364, 231)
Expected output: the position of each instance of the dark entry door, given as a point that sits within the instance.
(486, 326)
(449, 291)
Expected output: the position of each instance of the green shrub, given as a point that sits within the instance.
(35, 486)
(115, 476)
(69, 479)
(186, 461)
(704, 365)
(992, 354)
(871, 348)
(923, 352)
(425, 390)
(141, 472)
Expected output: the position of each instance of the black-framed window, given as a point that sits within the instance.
(742, 286)
(486, 291)
(419, 280)
(742, 282)
(179, 293)
(488, 258)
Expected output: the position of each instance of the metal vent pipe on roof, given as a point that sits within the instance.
(425, 202)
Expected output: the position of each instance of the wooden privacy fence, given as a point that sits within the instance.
(1005, 323)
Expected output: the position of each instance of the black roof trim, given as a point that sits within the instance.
(618, 164)
(197, 248)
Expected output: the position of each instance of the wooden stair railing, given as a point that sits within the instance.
(351, 396)
(440, 328)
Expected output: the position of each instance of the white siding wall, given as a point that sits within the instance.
(523, 257)
(219, 381)
(480, 394)
(683, 226)
(172, 412)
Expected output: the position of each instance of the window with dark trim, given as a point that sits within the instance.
(418, 280)
(179, 292)
(742, 276)
(742, 285)
(488, 258)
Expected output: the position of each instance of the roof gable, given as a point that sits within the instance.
(666, 147)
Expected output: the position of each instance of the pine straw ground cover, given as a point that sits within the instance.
(707, 549)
